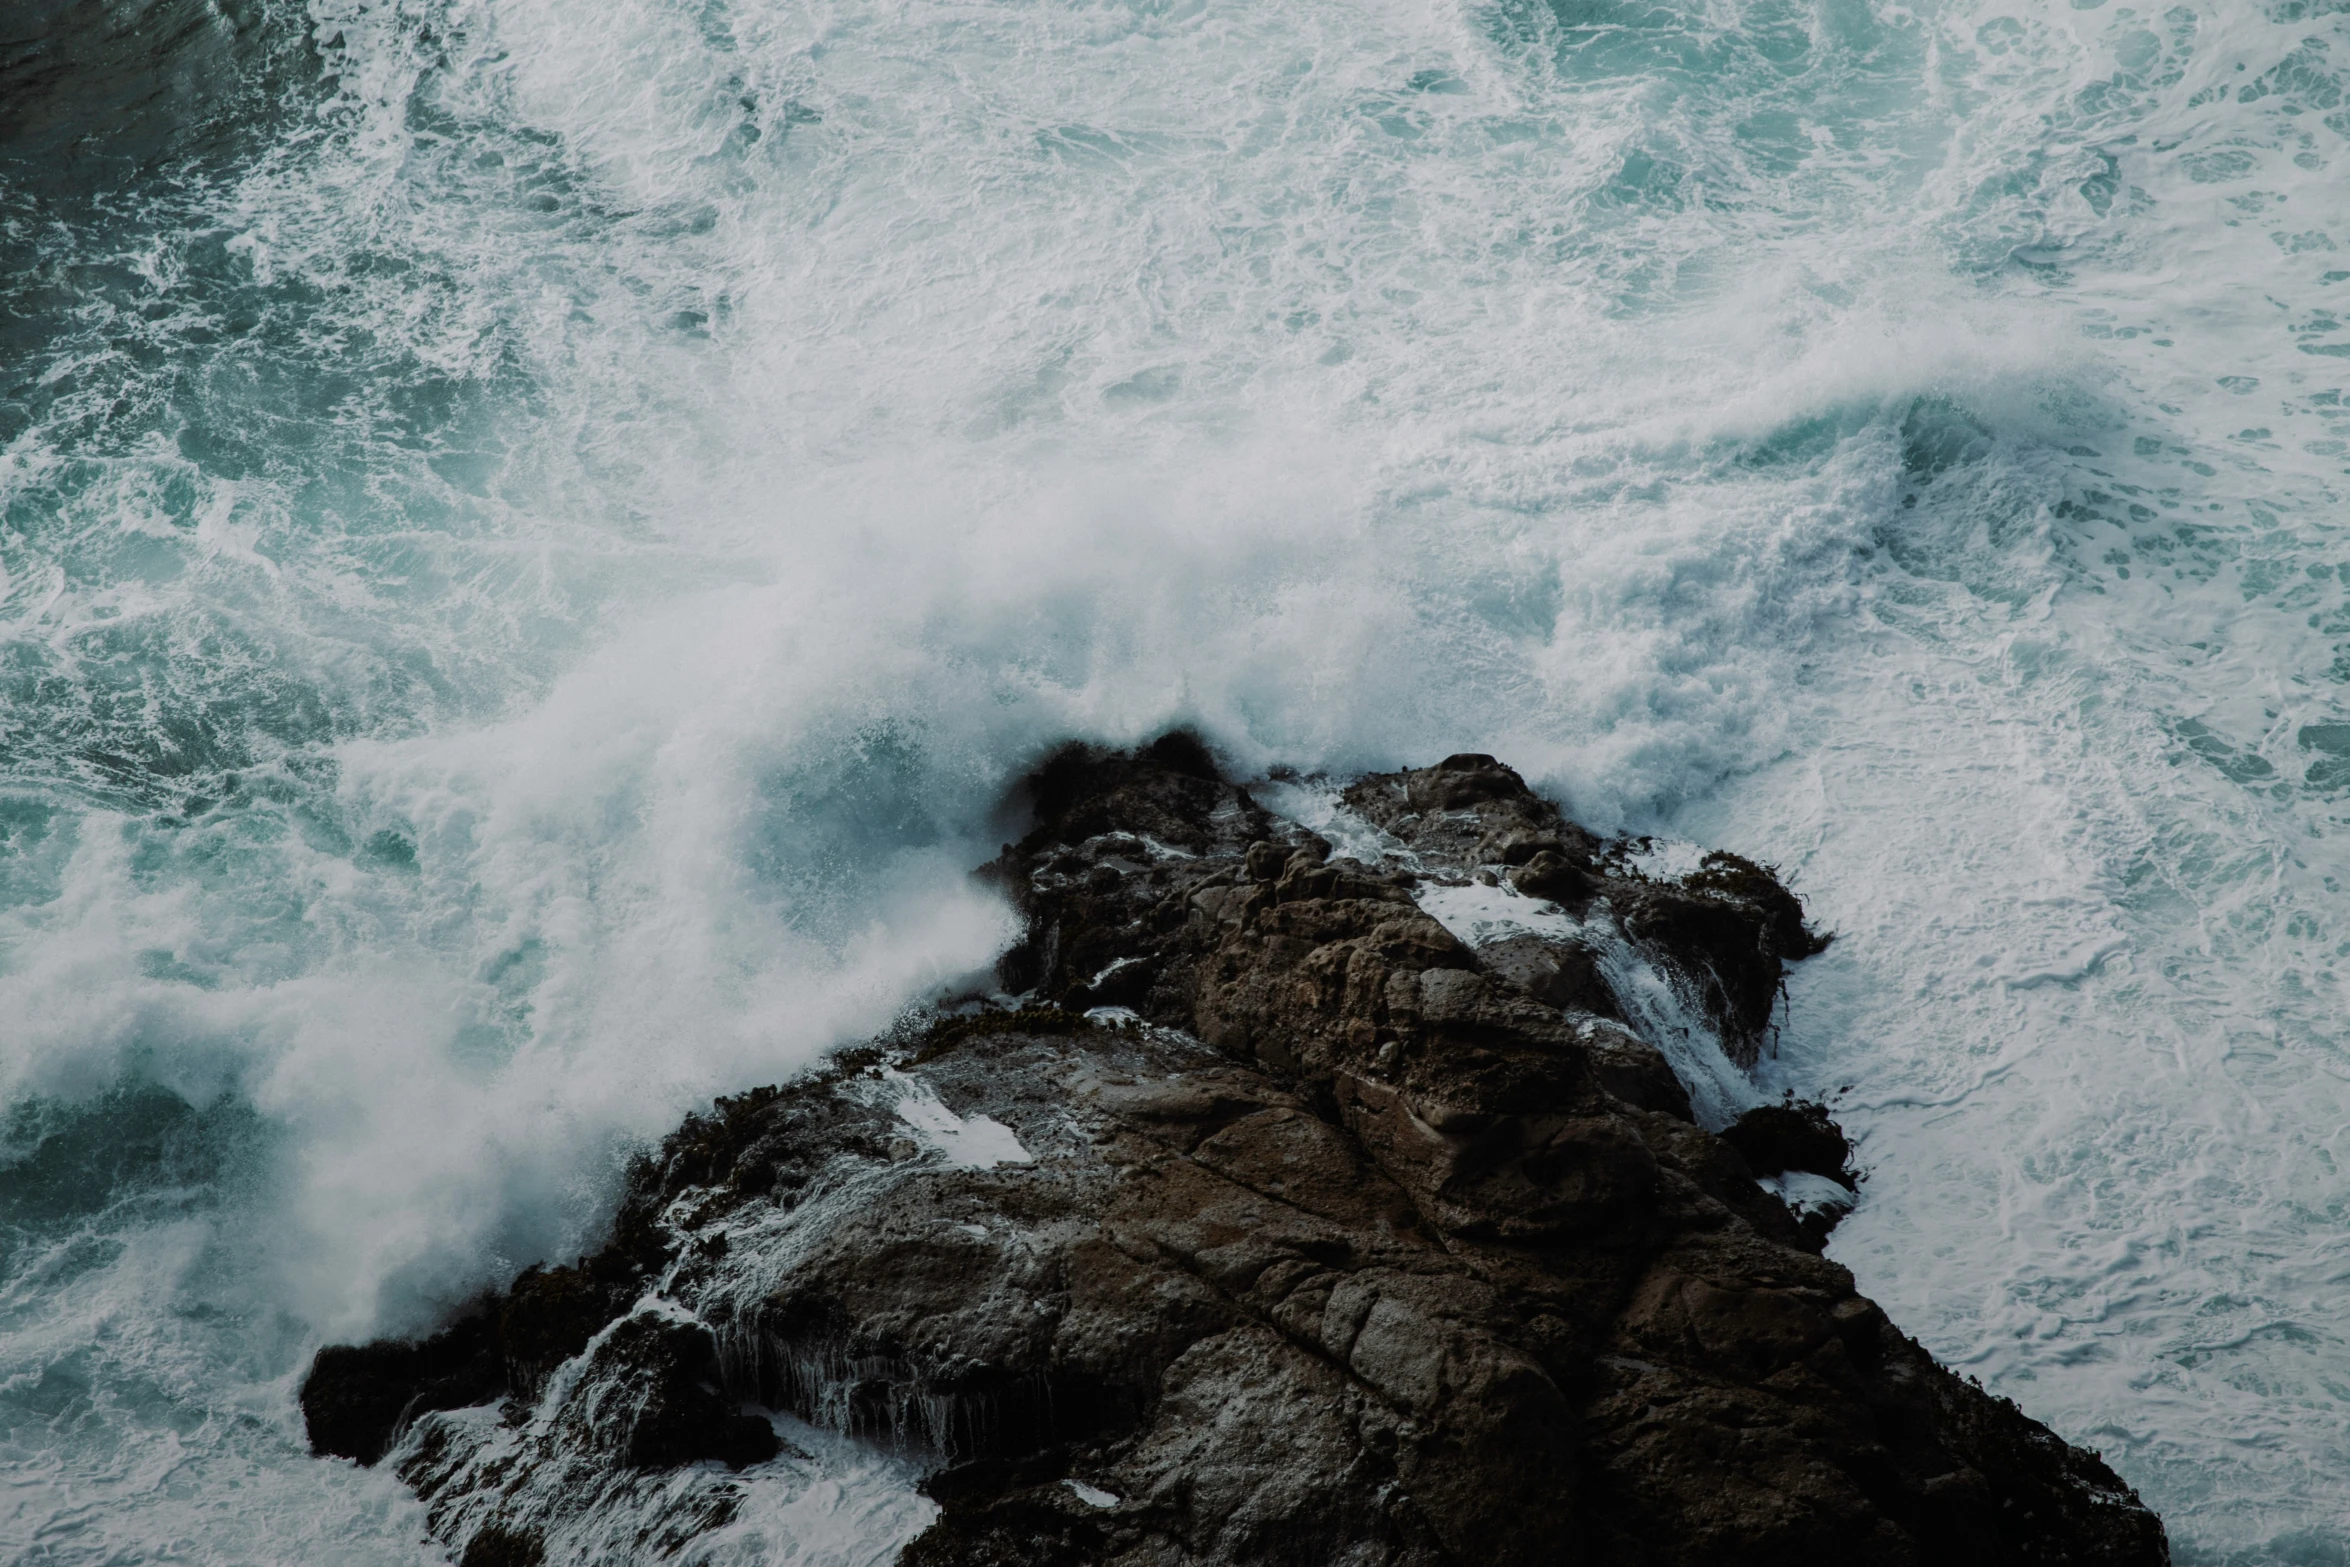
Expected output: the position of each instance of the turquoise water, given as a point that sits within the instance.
(531, 537)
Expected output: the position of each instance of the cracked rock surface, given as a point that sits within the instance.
(1362, 1222)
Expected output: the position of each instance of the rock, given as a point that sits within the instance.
(1797, 1135)
(1367, 1244)
(495, 1546)
(548, 1316)
(355, 1399)
(1553, 973)
(683, 1414)
(1549, 874)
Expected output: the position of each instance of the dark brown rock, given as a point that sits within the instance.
(683, 1413)
(1369, 1246)
(1549, 874)
(1796, 1135)
(495, 1546)
(357, 1397)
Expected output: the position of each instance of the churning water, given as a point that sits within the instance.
(532, 534)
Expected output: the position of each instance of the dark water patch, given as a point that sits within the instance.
(151, 713)
(218, 454)
(1763, 110)
(2239, 764)
(1801, 443)
(138, 1145)
(2328, 746)
(822, 826)
(93, 95)
(1938, 435)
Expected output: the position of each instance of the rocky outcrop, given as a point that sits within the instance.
(1303, 1206)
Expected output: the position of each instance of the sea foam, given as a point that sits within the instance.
(525, 572)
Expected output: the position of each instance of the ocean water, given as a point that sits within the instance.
(532, 536)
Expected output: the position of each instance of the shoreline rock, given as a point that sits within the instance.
(1300, 1207)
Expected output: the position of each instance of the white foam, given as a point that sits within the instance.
(1807, 1193)
(1662, 1012)
(975, 1142)
(860, 1509)
(823, 1501)
(1319, 808)
(1478, 914)
(711, 525)
(1666, 859)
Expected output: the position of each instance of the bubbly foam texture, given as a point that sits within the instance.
(519, 598)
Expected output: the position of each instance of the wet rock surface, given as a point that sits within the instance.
(1774, 1139)
(1341, 1232)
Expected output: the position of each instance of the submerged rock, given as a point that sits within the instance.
(1355, 1224)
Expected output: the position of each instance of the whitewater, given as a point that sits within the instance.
(534, 536)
